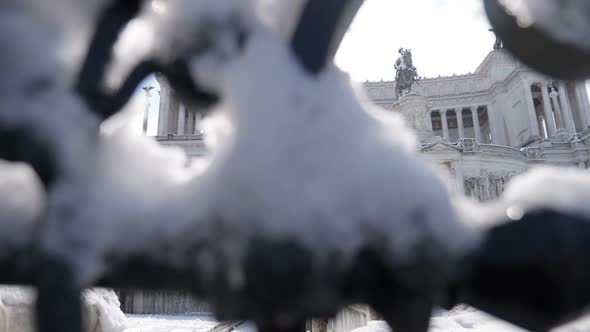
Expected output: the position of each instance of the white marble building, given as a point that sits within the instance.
(483, 127)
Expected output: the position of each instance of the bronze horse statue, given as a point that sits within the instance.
(406, 75)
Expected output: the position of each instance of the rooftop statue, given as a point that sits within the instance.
(405, 73)
(498, 44)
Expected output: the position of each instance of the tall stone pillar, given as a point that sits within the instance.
(583, 109)
(445, 124)
(476, 127)
(416, 110)
(533, 124)
(460, 127)
(198, 118)
(181, 119)
(557, 109)
(190, 122)
(568, 117)
(548, 112)
(164, 112)
(495, 126)
(585, 104)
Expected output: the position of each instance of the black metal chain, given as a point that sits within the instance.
(538, 47)
(545, 252)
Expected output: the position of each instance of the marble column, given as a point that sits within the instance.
(585, 105)
(568, 117)
(198, 118)
(556, 109)
(495, 126)
(460, 127)
(164, 109)
(582, 110)
(146, 113)
(181, 119)
(580, 107)
(533, 124)
(548, 111)
(445, 124)
(190, 122)
(476, 128)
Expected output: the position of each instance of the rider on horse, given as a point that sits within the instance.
(405, 72)
(400, 64)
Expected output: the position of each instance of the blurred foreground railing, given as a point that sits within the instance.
(533, 273)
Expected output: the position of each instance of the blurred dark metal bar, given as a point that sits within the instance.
(91, 78)
(59, 299)
(320, 31)
(553, 45)
(19, 143)
(534, 272)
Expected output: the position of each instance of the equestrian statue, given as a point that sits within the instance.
(405, 73)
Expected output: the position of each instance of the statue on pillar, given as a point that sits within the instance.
(405, 73)
(498, 44)
(148, 96)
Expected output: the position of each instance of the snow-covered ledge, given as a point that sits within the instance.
(101, 310)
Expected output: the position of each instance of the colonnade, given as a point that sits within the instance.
(174, 117)
(558, 112)
(188, 121)
(460, 123)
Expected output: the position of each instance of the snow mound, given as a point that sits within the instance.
(22, 205)
(103, 310)
(302, 159)
(294, 157)
(567, 23)
(100, 309)
(562, 189)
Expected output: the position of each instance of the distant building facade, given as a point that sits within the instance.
(483, 128)
(499, 121)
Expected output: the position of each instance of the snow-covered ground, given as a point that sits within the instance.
(103, 315)
(143, 323)
(464, 320)
(161, 323)
(471, 320)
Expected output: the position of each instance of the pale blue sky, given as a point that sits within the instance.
(446, 37)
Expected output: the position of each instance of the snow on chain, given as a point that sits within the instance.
(300, 160)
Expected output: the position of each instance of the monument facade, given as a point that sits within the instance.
(497, 122)
(483, 128)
